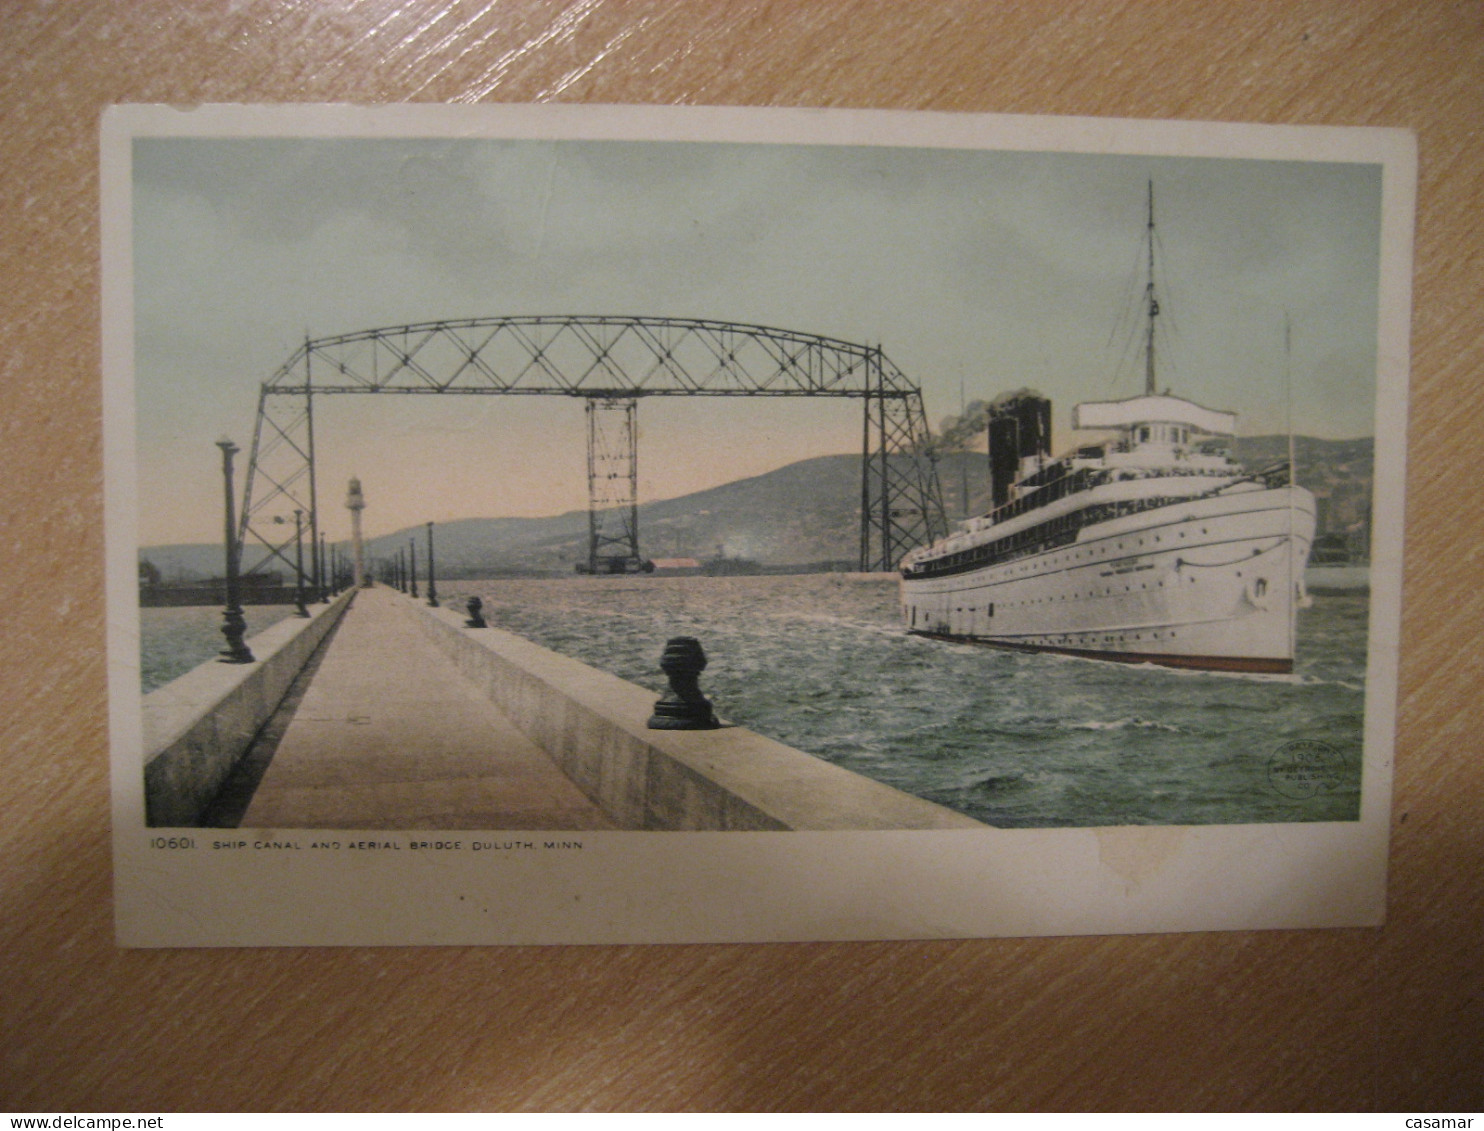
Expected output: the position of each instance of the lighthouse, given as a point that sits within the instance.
(355, 502)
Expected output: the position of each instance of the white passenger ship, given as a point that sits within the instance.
(1151, 546)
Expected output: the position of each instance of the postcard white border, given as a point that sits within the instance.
(754, 887)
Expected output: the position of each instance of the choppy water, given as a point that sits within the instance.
(821, 663)
(173, 641)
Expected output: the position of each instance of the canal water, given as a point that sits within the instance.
(820, 662)
(173, 641)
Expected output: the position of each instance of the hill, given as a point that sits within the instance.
(805, 512)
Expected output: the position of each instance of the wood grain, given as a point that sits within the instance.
(1390, 1018)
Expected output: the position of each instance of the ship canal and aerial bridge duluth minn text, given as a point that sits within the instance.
(610, 362)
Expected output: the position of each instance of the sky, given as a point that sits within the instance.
(976, 272)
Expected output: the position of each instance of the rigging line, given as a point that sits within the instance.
(1129, 313)
(1170, 276)
(1137, 292)
(1128, 356)
(1169, 330)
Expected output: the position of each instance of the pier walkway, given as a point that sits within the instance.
(381, 713)
(390, 734)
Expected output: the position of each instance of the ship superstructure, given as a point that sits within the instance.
(1149, 545)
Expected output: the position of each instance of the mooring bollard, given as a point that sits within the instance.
(683, 707)
(475, 620)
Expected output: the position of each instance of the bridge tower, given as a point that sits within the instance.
(612, 485)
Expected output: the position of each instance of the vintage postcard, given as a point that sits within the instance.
(596, 524)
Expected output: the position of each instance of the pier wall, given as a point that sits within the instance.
(593, 725)
(196, 727)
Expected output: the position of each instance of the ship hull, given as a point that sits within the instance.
(1254, 664)
(1211, 582)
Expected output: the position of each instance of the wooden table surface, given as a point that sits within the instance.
(1352, 1019)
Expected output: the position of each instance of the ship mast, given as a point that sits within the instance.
(1153, 304)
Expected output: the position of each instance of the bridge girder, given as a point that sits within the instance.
(601, 358)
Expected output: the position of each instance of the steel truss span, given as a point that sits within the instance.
(608, 361)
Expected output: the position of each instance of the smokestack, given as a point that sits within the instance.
(1019, 427)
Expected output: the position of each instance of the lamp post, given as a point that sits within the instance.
(324, 573)
(299, 608)
(432, 584)
(233, 624)
(412, 558)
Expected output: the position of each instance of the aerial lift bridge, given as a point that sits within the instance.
(610, 363)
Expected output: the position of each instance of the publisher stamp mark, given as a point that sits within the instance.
(1306, 768)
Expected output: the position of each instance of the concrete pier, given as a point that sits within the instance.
(413, 721)
(594, 726)
(389, 735)
(198, 727)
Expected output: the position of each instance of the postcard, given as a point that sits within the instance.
(611, 524)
